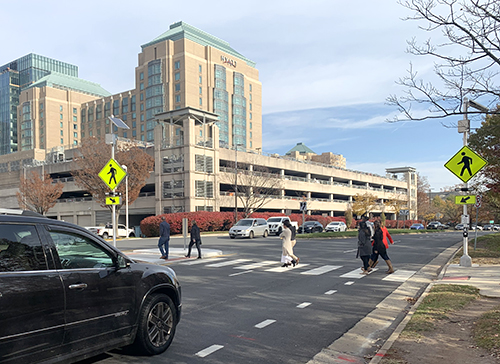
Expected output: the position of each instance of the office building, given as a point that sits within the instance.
(16, 76)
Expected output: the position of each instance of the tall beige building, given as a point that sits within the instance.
(185, 67)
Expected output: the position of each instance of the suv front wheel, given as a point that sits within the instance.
(157, 323)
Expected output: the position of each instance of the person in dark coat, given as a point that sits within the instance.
(379, 247)
(195, 239)
(164, 238)
(364, 246)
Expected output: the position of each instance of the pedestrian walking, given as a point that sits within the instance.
(379, 248)
(164, 238)
(364, 246)
(287, 256)
(195, 239)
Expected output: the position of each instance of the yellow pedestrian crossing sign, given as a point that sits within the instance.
(465, 164)
(112, 174)
(113, 200)
(465, 200)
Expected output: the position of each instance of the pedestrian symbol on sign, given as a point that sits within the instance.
(112, 171)
(112, 174)
(467, 161)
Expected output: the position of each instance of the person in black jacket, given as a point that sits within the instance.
(195, 239)
(379, 247)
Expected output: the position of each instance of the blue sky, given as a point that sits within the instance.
(326, 67)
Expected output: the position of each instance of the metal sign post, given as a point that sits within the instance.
(478, 205)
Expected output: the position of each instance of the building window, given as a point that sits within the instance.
(75, 126)
(75, 135)
(250, 116)
(177, 65)
(60, 108)
(61, 116)
(125, 134)
(142, 97)
(250, 85)
(116, 107)
(134, 133)
(250, 106)
(204, 163)
(201, 90)
(142, 107)
(41, 106)
(250, 135)
(142, 117)
(75, 119)
(177, 76)
(141, 86)
(62, 133)
(177, 87)
(75, 111)
(98, 112)
(201, 101)
(62, 141)
(134, 115)
(177, 98)
(204, 189)
(200, 80)
(199, 68)
(61, 124)
(141, 76)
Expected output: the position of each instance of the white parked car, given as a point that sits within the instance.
(107, 231)
(249, 228)
(336, 226)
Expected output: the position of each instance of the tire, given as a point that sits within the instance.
(157, 324)
(232, 237)
(132, 235)
(265, 234)
(105, 235)
(251, 235)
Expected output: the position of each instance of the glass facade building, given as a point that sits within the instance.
(16, 76)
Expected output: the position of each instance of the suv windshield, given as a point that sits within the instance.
(274, 219)
(244, 223)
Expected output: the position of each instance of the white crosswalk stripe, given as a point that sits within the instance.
(201, 261)
(356, 273)
(321, 270)
(226, 263)
(400, 275)
(281, 269)
(256, 265)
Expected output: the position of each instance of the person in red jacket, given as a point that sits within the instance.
(386, 237)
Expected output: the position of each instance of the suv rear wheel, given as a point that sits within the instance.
(265, 234)
(105, 236)
(157, 323)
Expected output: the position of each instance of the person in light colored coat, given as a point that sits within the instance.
(287, 256)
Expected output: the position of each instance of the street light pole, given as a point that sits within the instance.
(235, 183)
(126, 196)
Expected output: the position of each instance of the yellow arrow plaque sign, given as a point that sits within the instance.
(112, 174)
(115, 200)
(465, 200)
(465, 164)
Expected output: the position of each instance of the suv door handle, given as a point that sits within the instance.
(78, 286)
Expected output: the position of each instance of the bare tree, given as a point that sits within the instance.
(38, 194)
(470, 26)
(255, 188)
(94, 154)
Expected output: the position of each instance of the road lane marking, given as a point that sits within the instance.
(226, 263)
(356, 273)
(321, 270)
(211, 349)
(400, 275)
(350, 251)
(284, 269)
(264, 324)
(201, 261)
(304, 305)
(256, 265)
(239, 273)
(350, 283)
(331, 292)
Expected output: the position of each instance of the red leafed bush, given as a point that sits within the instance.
(222, 221)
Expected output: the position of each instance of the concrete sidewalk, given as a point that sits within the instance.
(174, 254)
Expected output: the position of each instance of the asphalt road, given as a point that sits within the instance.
(244, 308)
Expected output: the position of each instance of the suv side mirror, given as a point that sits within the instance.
(121, 262)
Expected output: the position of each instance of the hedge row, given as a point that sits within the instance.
(222, 221)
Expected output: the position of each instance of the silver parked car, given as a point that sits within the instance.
(249, 228)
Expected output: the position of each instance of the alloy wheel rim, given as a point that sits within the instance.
(160, 323)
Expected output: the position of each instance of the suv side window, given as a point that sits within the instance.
(20, 248)
(77, 251)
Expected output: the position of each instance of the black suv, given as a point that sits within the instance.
(310, 227)
(66, 294)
